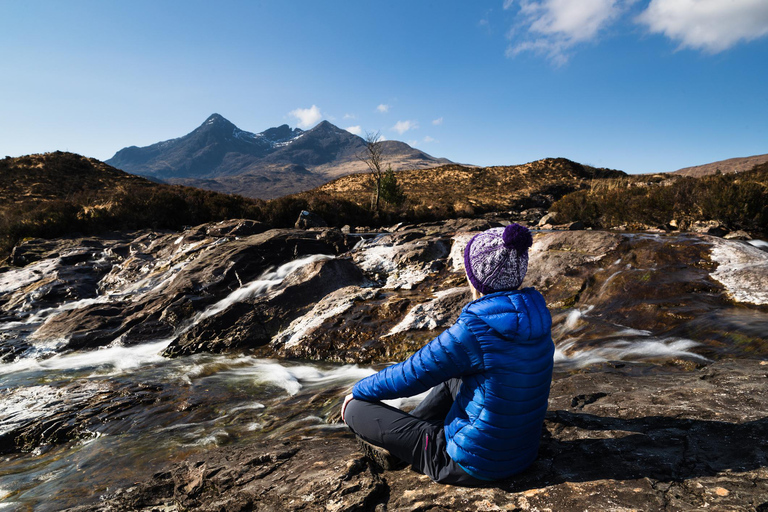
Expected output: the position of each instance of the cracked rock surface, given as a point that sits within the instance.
(616, 437)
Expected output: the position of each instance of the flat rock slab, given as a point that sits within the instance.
(617, 437)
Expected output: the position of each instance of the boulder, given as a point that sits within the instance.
(437, 313)
(710, 227)
(738, 235)
(550, 218)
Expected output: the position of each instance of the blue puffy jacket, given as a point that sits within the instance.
(501, 347)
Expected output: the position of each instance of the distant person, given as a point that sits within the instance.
(490, 374)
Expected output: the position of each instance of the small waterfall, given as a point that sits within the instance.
(259, 286)
(120, 358)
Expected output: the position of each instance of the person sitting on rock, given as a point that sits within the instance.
(490, 374)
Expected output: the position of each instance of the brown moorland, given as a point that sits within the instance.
(465, 190)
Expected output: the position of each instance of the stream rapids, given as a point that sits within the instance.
(121, 355)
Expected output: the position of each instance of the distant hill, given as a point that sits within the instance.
(468, 190)
(724, 166)
(58, 193)
(37, 178)
(219, 156)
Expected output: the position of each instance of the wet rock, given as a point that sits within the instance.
(560, 263)
(550, 218)
(235, 228)
(574, 226)
(531, 216)
(738, 235)
(308, 220)
(297, 339)
(36, 249)
(648, 438)
(252, 323)
(401, 260)
(439, 312)
(456, 256)
(742, 269)
(179, 273)
(335, 238)
(268, 476)
(46, 415)
(464, 225)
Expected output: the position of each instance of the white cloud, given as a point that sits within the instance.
(383, 108)
(437, 121)
(349, 116)
(307, 117)
(357, 130)
(412, 143)
(709, 25)
(428, 139)
(403, 126)
(554, 27)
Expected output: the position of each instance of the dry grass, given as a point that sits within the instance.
(479, 188)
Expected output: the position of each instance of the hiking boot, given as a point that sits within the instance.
(380, 456)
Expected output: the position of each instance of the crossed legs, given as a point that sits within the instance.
(416, 438)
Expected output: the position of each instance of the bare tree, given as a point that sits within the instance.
(373, 158)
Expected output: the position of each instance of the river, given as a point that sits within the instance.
(123, 411)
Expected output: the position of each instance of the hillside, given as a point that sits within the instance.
(734, 201)
(58, 175)
(220, 156)
(724, 166)
(58, 193)
(470, 190)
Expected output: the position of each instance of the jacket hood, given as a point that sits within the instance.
(517, 315)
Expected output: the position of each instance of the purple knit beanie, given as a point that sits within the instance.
(497, 259)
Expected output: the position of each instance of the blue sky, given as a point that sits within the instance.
(636, 85)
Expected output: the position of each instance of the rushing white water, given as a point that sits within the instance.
(260, 286)
(742, 269)
(622, 349)
(573, 318)
(16, 279)
(118, 359)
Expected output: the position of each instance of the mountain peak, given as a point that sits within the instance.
(216, 120)
(326, 126)
(281, 133)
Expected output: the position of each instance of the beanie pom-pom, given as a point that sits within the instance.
(517, 237)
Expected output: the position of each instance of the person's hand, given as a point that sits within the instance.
(347, 399)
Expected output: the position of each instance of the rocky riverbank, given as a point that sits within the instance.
(158, 346)
(617, 437)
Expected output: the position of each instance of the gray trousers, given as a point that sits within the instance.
(417, 438)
